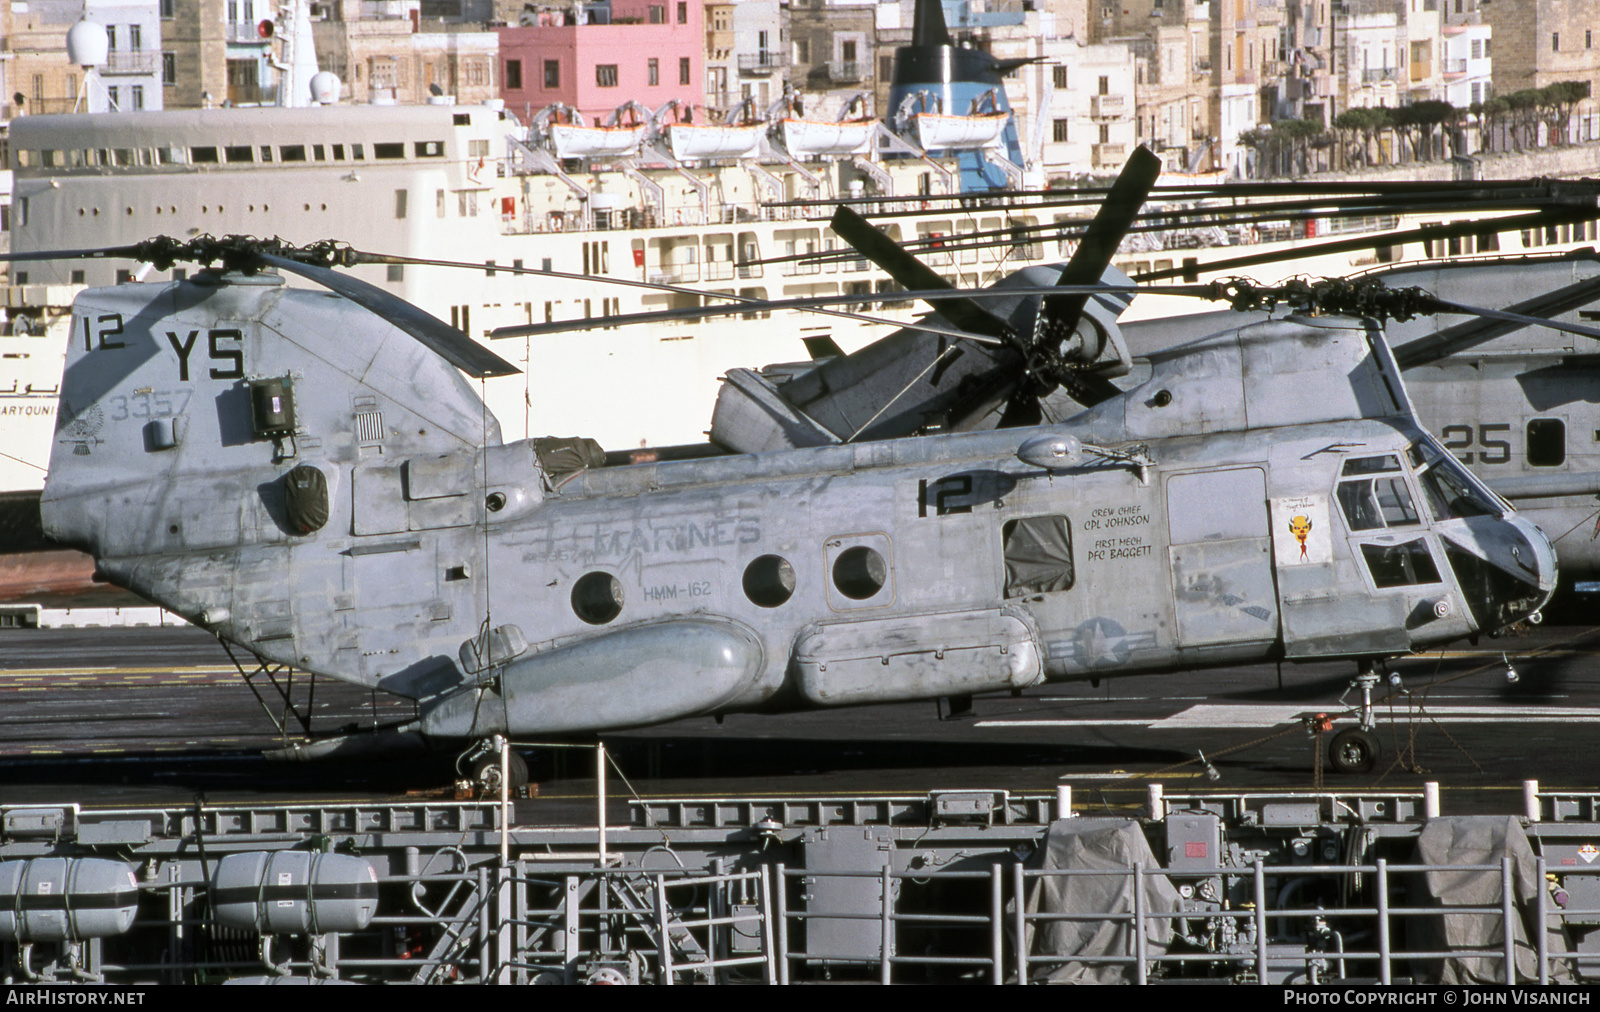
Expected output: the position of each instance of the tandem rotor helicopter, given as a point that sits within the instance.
(310, 476)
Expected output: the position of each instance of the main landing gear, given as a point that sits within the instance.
(1355, 749)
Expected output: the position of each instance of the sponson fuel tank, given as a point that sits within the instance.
(642, 675)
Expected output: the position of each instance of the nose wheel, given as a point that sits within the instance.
(1355, 749)
(484, 763)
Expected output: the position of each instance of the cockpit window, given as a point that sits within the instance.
(1377, 503)
(1402, 565)
(1371, 465)
(1451, 493)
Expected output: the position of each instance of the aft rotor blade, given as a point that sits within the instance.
(911, 272)
(1471, 333)
(1518, 319)
(447, 342)
(101, 253)
(1099, 243)
(820, 303)
(1423, 233)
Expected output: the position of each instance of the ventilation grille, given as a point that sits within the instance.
(369, 426)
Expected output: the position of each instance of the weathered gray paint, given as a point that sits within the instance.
(414, 562)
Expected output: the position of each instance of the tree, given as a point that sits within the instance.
(1523, 112)
(1428, 116)
(1492, 117)
(1557, 102)
(1366, 122)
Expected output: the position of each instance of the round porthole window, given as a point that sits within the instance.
(859, 572)
(597, 598)
(769, 581)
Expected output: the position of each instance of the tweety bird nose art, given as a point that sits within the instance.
(1300, 527)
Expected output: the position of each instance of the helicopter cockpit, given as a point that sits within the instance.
(1503, 567)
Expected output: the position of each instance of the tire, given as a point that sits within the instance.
(1353, 751)
(486, 771)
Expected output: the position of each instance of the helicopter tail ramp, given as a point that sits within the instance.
(182, 461)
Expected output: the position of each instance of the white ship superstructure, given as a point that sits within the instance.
(468, 183)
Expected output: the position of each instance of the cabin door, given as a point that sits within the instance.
(1221, 558)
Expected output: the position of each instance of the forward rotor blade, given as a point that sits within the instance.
(447, 342)
(912, 273)
(1099, 243)
(1461, 336)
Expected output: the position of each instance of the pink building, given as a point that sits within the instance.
(653, 50)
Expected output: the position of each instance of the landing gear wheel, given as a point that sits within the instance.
(1353, 751)
(486, 771)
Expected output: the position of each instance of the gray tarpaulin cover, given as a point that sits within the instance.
(1483, 839)
(1095, 844)
(561, 456)
(1038, 556)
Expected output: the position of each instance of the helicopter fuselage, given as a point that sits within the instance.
(1265, 493)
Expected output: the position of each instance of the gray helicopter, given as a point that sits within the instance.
(310, 477)
(1511, 393)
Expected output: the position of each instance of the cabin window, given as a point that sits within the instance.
(358, 152)
(769, 581)
(394, 150)
(319, 152)
(428, 149)
(240, 153)
(292, 153)
(1402, 565)
(1547, 442)
(597, 598)
(860, 572)
(1038, 555)
(204, 155)
(338, 152)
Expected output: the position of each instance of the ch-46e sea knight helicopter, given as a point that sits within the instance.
(309, 476)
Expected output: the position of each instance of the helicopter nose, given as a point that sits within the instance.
(1538, 560)
(1506, 568)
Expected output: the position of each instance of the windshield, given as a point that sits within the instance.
(1451, 492)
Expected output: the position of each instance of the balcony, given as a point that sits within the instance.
(122, 64)
(1455, 67)
(846, 71)
(1110, 156)
(1377, 75)
(761, 63)
(1108, 106)
(244, 35)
